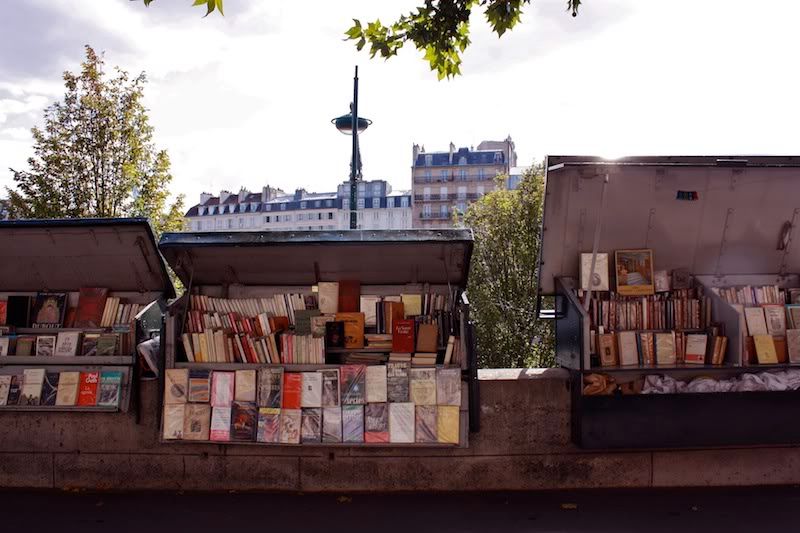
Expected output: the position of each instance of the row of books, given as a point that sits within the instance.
(772, 349)
(679, 309)
(66, 344)
(36, 386)
(275, 305)
(95, 309)
(649, 349)
(757, 295)
(219, 346)
(771, 319)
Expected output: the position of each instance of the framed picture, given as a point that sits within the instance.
(634, 272)
(598, 281)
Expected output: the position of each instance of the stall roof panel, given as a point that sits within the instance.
(67, 254)
(390, 257)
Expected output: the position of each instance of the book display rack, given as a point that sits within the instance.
(320, 338)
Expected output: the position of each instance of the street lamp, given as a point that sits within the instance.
(352, 124)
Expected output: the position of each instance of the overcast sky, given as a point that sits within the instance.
(246, 99)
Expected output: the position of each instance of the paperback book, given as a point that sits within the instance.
(311, 431)
(330, 388)
(353, 384)
(269, 425)
(425, 424)
(376, 422)
(353, 423)
(397, 380)
(197, 422)
(176, 383)
(270, 387)
(423, 386)
(110, 388)
(244, 416)
(290, 426)
(331, 424)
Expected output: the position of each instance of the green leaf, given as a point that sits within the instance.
(219, 7)
(200, 2)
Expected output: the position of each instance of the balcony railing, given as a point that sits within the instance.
(445, 197)
(435, 215)
(455, 178)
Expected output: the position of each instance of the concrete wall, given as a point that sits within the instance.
(524, 444)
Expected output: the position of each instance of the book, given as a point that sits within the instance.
(628, 352)
(334, 334)
(598, 281)
(67, 343)
(793, 345)
(330, 387)
(661, 278)
(18, 311)
(270, 387)
(607, 348)
(48, 310)
(302, 320)
(696, 346)
(412, 304)
(392, 311)
(244, 416)
(173, 422)
(87, 388)
(89, 344)
(349, 296)
(5, 346)
(292, 390)
(197, 421)
(353, 384)
(328, 297)
(32, 382)
(91, 304)
(67, 388)
(25, 345)
(220, 429)
(447, 424)
(425, 424)
(3, 312)
(397, 381)
(318, 324)
(353, 324)
(665, 348)
(45, 345)
(775, 316)
(681, 279)
(376, 422)
(290, 425)
(448, 386)
(245, 386)
(647, 345)
(222, 384)
(765, 349)
(353, 423)
(107, 344)
(376, 384)
(269, 425)
(428, 338)
(311, 395)
(781, 350)
(199, 385)
(423, 386)
(49, 388)
(368, 305)
(756, 322)
(401, 422)
(110, 388)
(176, 385)
(14, 389)
(5, 385)
(311, 425)
(331, 424)
(403, 336)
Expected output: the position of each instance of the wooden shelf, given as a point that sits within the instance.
(314, 444)
(51, 331)
(247, 366)
(78, 360)
(57, 408)
(665, 368)
(358, 350)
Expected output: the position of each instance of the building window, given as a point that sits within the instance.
(462, 206)
(376, 189)
(390, 203)
(480, 191)
(330, 215)
(462, 193)
(360, 203)
(462, 174)
(328, 203)
(428, 176)
(481, 174)
(428, 160)
(404, 201)
(426, 193)
(345, 203)
(267, 207)
(361, 188)
(317, 203)
(376, 203)
(241, 222)
(266, 220)
(283, 207)
(302, 205)
(462, 160)
(443, 175)
(443, 210)
(426, 210)
(443, 193)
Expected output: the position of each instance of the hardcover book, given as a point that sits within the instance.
(401, 422)
(428, 338)
(634, 269)
(25, 345)
(245, 386)
(376, 384)
(173, 422)
(403, 336)
(302, 320)
(793, 345)
(331, 424)
(665, 348)
(49, 309)
(756, 323)
(67, 388)
(599, 280)
(107, 345)
(110, 388)
(423, 386)
(376, 422)
(3, 312)
(425, 424)
(330, 387)
(311, 429)
(292, 390)
(290, 426)
(32, 381)
(318, 324)
(176, 385)
(197, 422)
(87, 388)
(368, 305)
(14, 389)
(353, 384)
(199, 385)
(765, 349)
(270, 387)
(67, 343)
(661, 280)
(5, 385)
(696, 346)
(397, 381)
(334, 334)
(221, 389)
(775, 319)
(412, 304)
(45, 345)
(220, 424)
(448, 386)
(607, 348)
(328, 297)
(447, 424)
(89, 345)
(628, 353)
(349, 296)
(353, 329)
(311, 395)
(353, 423)
(648, 349)
(269, 425)
(91, 304)
(244, 416)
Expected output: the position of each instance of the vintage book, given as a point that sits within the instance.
(270, 387)
(448, 386)
(107, 344)
(428, 338)
(318, 324)
(278, 323)
(756, 323)
(376, 422)
(349, 296)
(67, 388)
(197, 422)
(18, 311)
(222, 384)
(5, 346)
(401, 422)
(3, 312)
(25, 345)
(392, 311)
(352, 423)
(244, 417)
(412, 304)
(311, 395)
(793, 319)
(634, 272)
(628, 352)
(173, 422)
(599, 282)
(647, 344)
(376, 384)
(245, 386)
(328, 297)
(110, 388)
(311, 425)
(775, 316)
(334, 334)
(220, 429)
(607, 348)
(681, 279)
(5, 385)
(87, 388)
(781, 350)
(765, 349)
(423, 386)
(696, 346)
(793, 345)
(292, 390)
(353, 384)
(302, 320)
(32, 381)
(67, 343)
(330, 387)
(199, 385)
(176, 385)
(291, 420)
(45, 345)
(368, 305)
(353, 329)
(425, 424)
(331, 424)
(665, 348)
(403, 336)
(89, 344)
(397, 381)
(14, 389)
(48, 310)
(49, 388)
(447, 425)
(91, 303)
(269, 425)
(749, 355)
(661, 278)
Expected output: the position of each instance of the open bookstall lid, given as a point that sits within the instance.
(714, 215)
(67, 254)
(383, 257)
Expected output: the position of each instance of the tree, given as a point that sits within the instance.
(503, 277)
(95, 156)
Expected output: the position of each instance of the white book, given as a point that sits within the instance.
(32, 381)
(4, 344)
(368, 306)
(311, 395)
(67, 393)
(173, 421)
(245, 386)
(775, 319)
(5, 387)
(401, 422)
(376, 384)
(328, 297)
(628, 353)
(756, 323)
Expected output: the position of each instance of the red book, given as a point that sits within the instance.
(292, 388)
(87, 388)
(278, 323)
(3, 312)
(91, 304)
(403, 336)
(349, 296)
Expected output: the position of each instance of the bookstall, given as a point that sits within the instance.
(355, 338)
(75, 299)
(675, 285)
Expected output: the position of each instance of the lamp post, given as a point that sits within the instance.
(352, 124)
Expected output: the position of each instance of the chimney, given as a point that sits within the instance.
(224, 195)
(299, 194)
(243, 194)
(204, 197)
(452, 149)
(415, 153)
(265, 194)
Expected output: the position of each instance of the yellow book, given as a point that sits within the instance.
(765, 350)
(412, 304)
(447, 424)
(199, 354)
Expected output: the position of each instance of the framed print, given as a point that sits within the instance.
(634, 272)
(599, 281)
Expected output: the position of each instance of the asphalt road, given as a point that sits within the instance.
(728, 510)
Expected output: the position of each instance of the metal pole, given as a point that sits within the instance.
(354, 160)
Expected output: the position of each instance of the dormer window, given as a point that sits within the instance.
(268, 207)
(462, 160)
(303, 205)
(428, 160)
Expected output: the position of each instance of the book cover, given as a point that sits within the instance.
(397, 382)
(376, 384)
(91, 304)
(793, 345)
(403, 336)
(318, 324)
(18, 311)
(25, 345)
(412, 304)
(765, 349)
(292, 390)
(89, 344)
(14, 389)
(428, 338)
(5, 346)
(197, 422)
(661, 278)
(290, 426)
(32, 382)
(423, 386)
(270, 387)
(87, 389)
(401, 422)
(425, 424)
(334, 334)
(3, 312)
(269, 425)
(648, 349)
(67, 343)
(222, 389)
(349, 296)
(311, 395)
(245, 386)
(199, 385)
(173, 422)
(607, 349)
(328, 297)
(45, 345)
(368, 305)
(220, 429)
(696, 346)
(352, 423)
(330, 387)
(775, 316)
(331, 424)
(110, 388)
(49, 309)
(448, 386)
(628, 352)
(353, 384)
(5, 385)
(311, 425)
(665, 348)
(598, 281)
(447, 424)
(176, 385)
(392, 312)
(67, 388)
(376, 422)
(756, 322)
(302, 320)
(781, 350)
(244, 416)
(353, 324)
(107, 345)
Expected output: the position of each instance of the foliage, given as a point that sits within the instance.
(503, 278)
(210, 5)
(95, 156)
